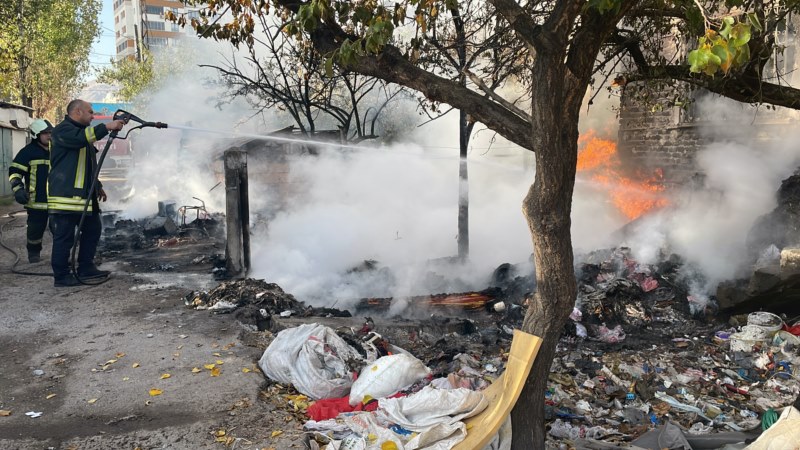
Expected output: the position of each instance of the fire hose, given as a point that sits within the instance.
(118, 115)
(14, 269)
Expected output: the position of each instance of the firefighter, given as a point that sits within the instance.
(73, 162)
(28, 176)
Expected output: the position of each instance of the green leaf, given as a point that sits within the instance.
(329, 67)
(740, 34)
(726, 27)
(698, 60)
(752, 18)
(724, 55)
(742, 56)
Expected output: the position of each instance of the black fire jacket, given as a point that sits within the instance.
(72, 165)
(29, 171)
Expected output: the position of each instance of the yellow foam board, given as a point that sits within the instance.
(503, 393)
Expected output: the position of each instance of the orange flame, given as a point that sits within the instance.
(633, 198)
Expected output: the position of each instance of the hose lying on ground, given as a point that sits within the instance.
(14, 269)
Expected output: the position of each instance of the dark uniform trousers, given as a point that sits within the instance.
(63, 226)
(37, 223)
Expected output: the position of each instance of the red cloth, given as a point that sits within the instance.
(329, 408)
(794, 329)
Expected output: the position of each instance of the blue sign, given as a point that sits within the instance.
(106, 110)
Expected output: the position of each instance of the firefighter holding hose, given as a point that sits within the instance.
(72, 167)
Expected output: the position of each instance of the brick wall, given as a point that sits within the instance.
(661, 129)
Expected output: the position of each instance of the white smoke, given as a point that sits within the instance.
(397, 204)
(708, 224)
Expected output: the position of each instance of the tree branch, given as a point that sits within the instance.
(493, 95)
(742, 88)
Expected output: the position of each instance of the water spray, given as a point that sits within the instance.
(126, 117)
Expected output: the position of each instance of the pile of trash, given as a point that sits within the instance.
(617, 295)
(267, 298)
(642, 365)
(720, 386)
(396, 401)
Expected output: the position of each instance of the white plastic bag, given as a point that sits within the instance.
(386, 376)
(435, 414)
(431, 406)
(313, 358)
(501, 440)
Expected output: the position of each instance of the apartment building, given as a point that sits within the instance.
(143, 23)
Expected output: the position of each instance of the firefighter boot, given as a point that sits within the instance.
(92, 272)
(67, 280)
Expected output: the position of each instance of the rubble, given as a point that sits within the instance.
(651, 358)
(259, 299)
(160, 226)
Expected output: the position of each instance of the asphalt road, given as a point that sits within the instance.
(125, 365)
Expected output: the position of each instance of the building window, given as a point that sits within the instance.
(122, 47)
(157, 42)
(194, 15)
(122, 14)
(153, 25)
(157, 10)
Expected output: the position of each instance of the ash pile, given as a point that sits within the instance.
(255, 303)
(619, 297)
(170, 227)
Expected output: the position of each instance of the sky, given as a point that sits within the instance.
(104, 48)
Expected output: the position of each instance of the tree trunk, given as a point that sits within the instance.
(547, 208)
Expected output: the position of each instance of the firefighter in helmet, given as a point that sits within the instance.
(28, 176)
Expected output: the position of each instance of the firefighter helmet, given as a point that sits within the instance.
(40, 126)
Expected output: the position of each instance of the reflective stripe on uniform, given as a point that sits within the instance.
(39, 206)
(90, 134)
(80, 172)
(67, 203)
(35, 163)
(37, 241)
(20, 167)
(15, 177)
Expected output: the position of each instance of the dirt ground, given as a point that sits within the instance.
(89, 359)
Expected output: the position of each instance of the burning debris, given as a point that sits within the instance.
(695, 377)
(616, 293)
(466, 301)
(633, 197)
